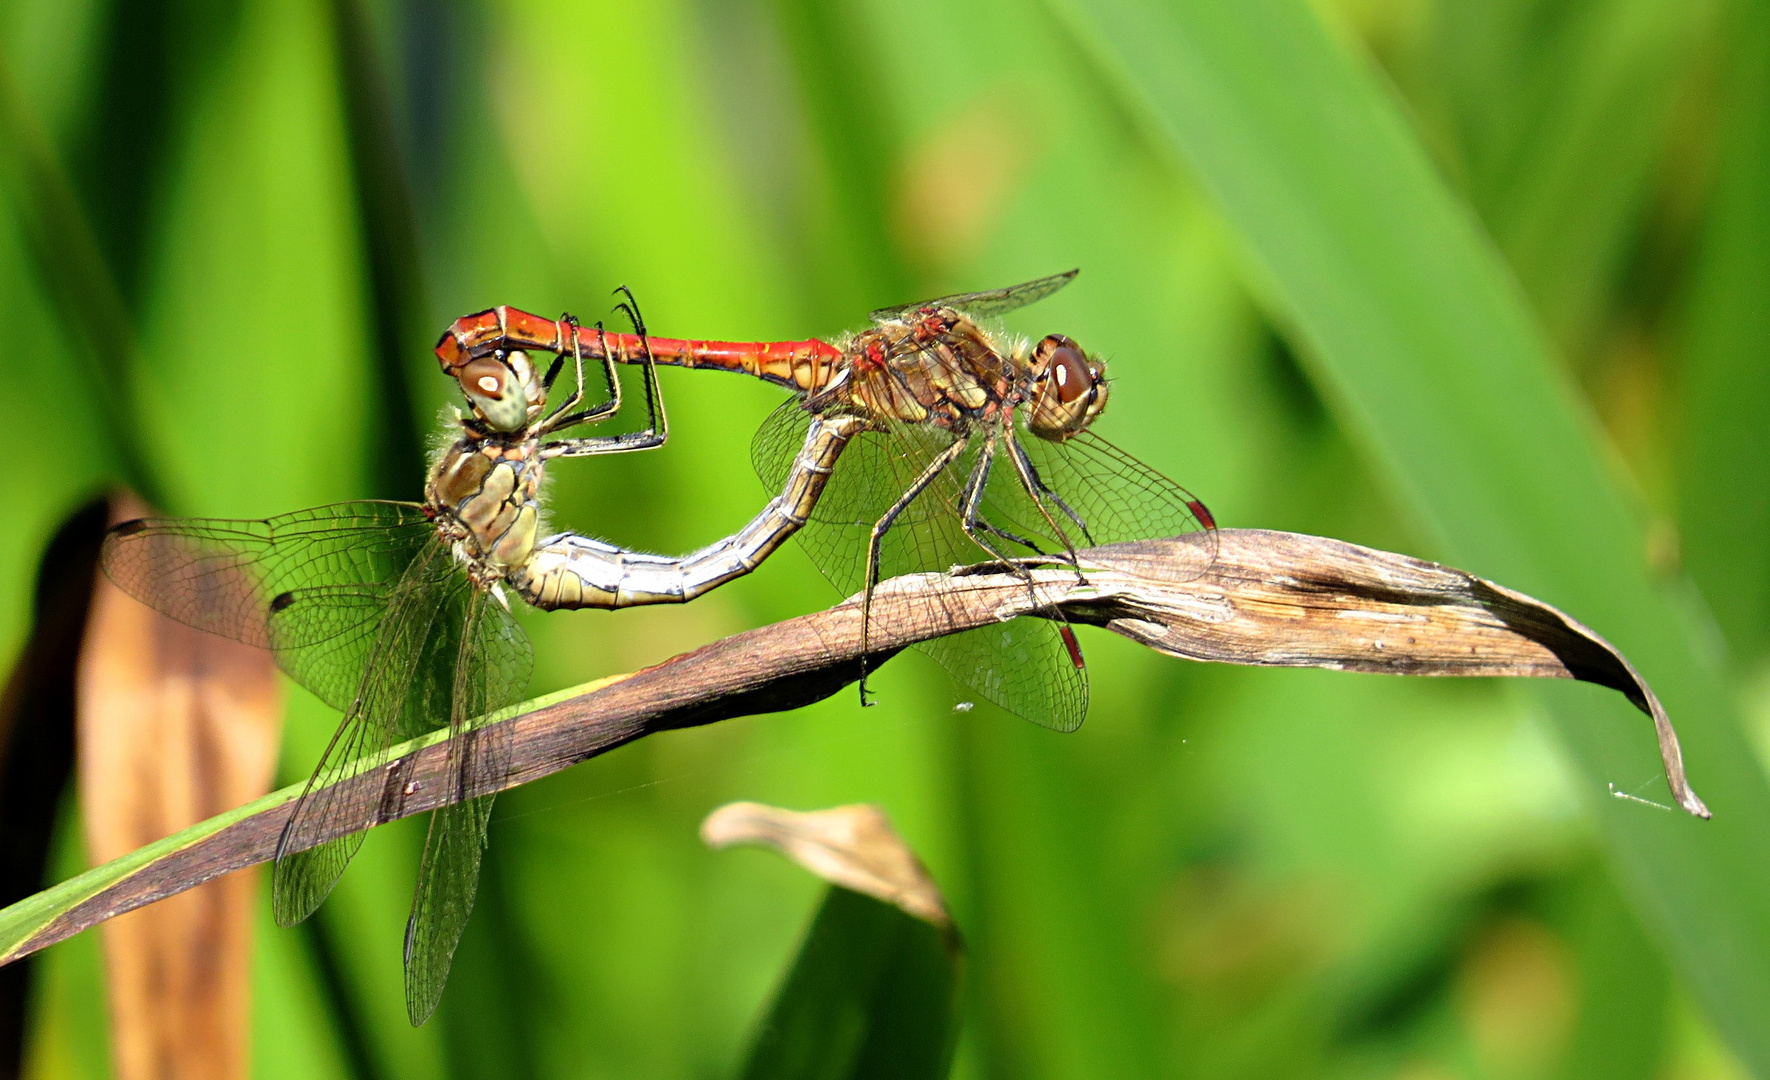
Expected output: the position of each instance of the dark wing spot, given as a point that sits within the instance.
(130, 528)
(281, 601)
(1199, 511)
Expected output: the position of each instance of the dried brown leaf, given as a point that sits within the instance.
(174, 726)
(851, 846)
(1267, 598)
(1288, 600)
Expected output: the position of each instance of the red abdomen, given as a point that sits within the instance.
(800, 365)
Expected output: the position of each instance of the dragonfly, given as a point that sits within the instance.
(971, 444)
(398, 613)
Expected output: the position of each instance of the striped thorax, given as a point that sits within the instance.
(485, 496)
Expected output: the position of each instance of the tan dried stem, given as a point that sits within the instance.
(175, 726)
(1235, 596)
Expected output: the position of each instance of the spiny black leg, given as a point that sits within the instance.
(934, 468)
(657, 421)
(971, 520)
(971, 500)
(971, 506)
(610, 380)
(657, 428)
(1023, 465)
(602, 444)
(1029, 480)
(1013, 538)
(568, 325)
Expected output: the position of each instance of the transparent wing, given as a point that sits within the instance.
(869, 474)
(310, 585)
(1099, 494)
(404, 693)
(491, 672)
(986, 304)
(1022, 665)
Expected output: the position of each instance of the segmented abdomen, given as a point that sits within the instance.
(572, 571)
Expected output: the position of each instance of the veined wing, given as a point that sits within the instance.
(1022, 665)
(869, 475)
(404, 693)
(1085, 492)
(309, 585)
(491, 670)
(1099, 494)
(982, 305)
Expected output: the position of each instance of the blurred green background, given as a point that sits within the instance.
(1477, 280)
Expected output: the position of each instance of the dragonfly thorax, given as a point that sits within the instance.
(910, 373)
(1068, 389)
(484, 495)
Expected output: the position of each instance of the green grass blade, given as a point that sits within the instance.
(873, 993)
(20, 921)
(1726, 369)
(1567, 204)
(1427, 349)
(78, 281)
(398, 312)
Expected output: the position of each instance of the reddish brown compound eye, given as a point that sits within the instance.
(484, 378)
(1070, 389)
(1066, 366)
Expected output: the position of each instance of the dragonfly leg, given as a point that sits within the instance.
(606, 444)
(978, 529)
(568, 326)
(656, 420)
(971, 513)
(563, 417)
(935, 467)
(983, 524)
(657, 427)
(974, 525)
(1029, 475)
(1035, 487)
(971, 508)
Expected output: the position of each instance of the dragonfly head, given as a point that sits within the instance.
(504, 390)
(1069, 389)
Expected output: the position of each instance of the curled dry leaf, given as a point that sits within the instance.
(1288, 600)
(175, 726)
(1266, 598)
(851, 846)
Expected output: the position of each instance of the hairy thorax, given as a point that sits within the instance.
(942, 369)
(485, 497)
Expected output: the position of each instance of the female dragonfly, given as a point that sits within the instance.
(422, 590)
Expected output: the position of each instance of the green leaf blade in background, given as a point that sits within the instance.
(1724, 503)
(1602, 97)
(873, 995)
(1428, 348)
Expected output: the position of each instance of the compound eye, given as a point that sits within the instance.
(1067, 368)
(484, 378)
(500, 403)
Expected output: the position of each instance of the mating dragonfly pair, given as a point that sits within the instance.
(904, 449)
